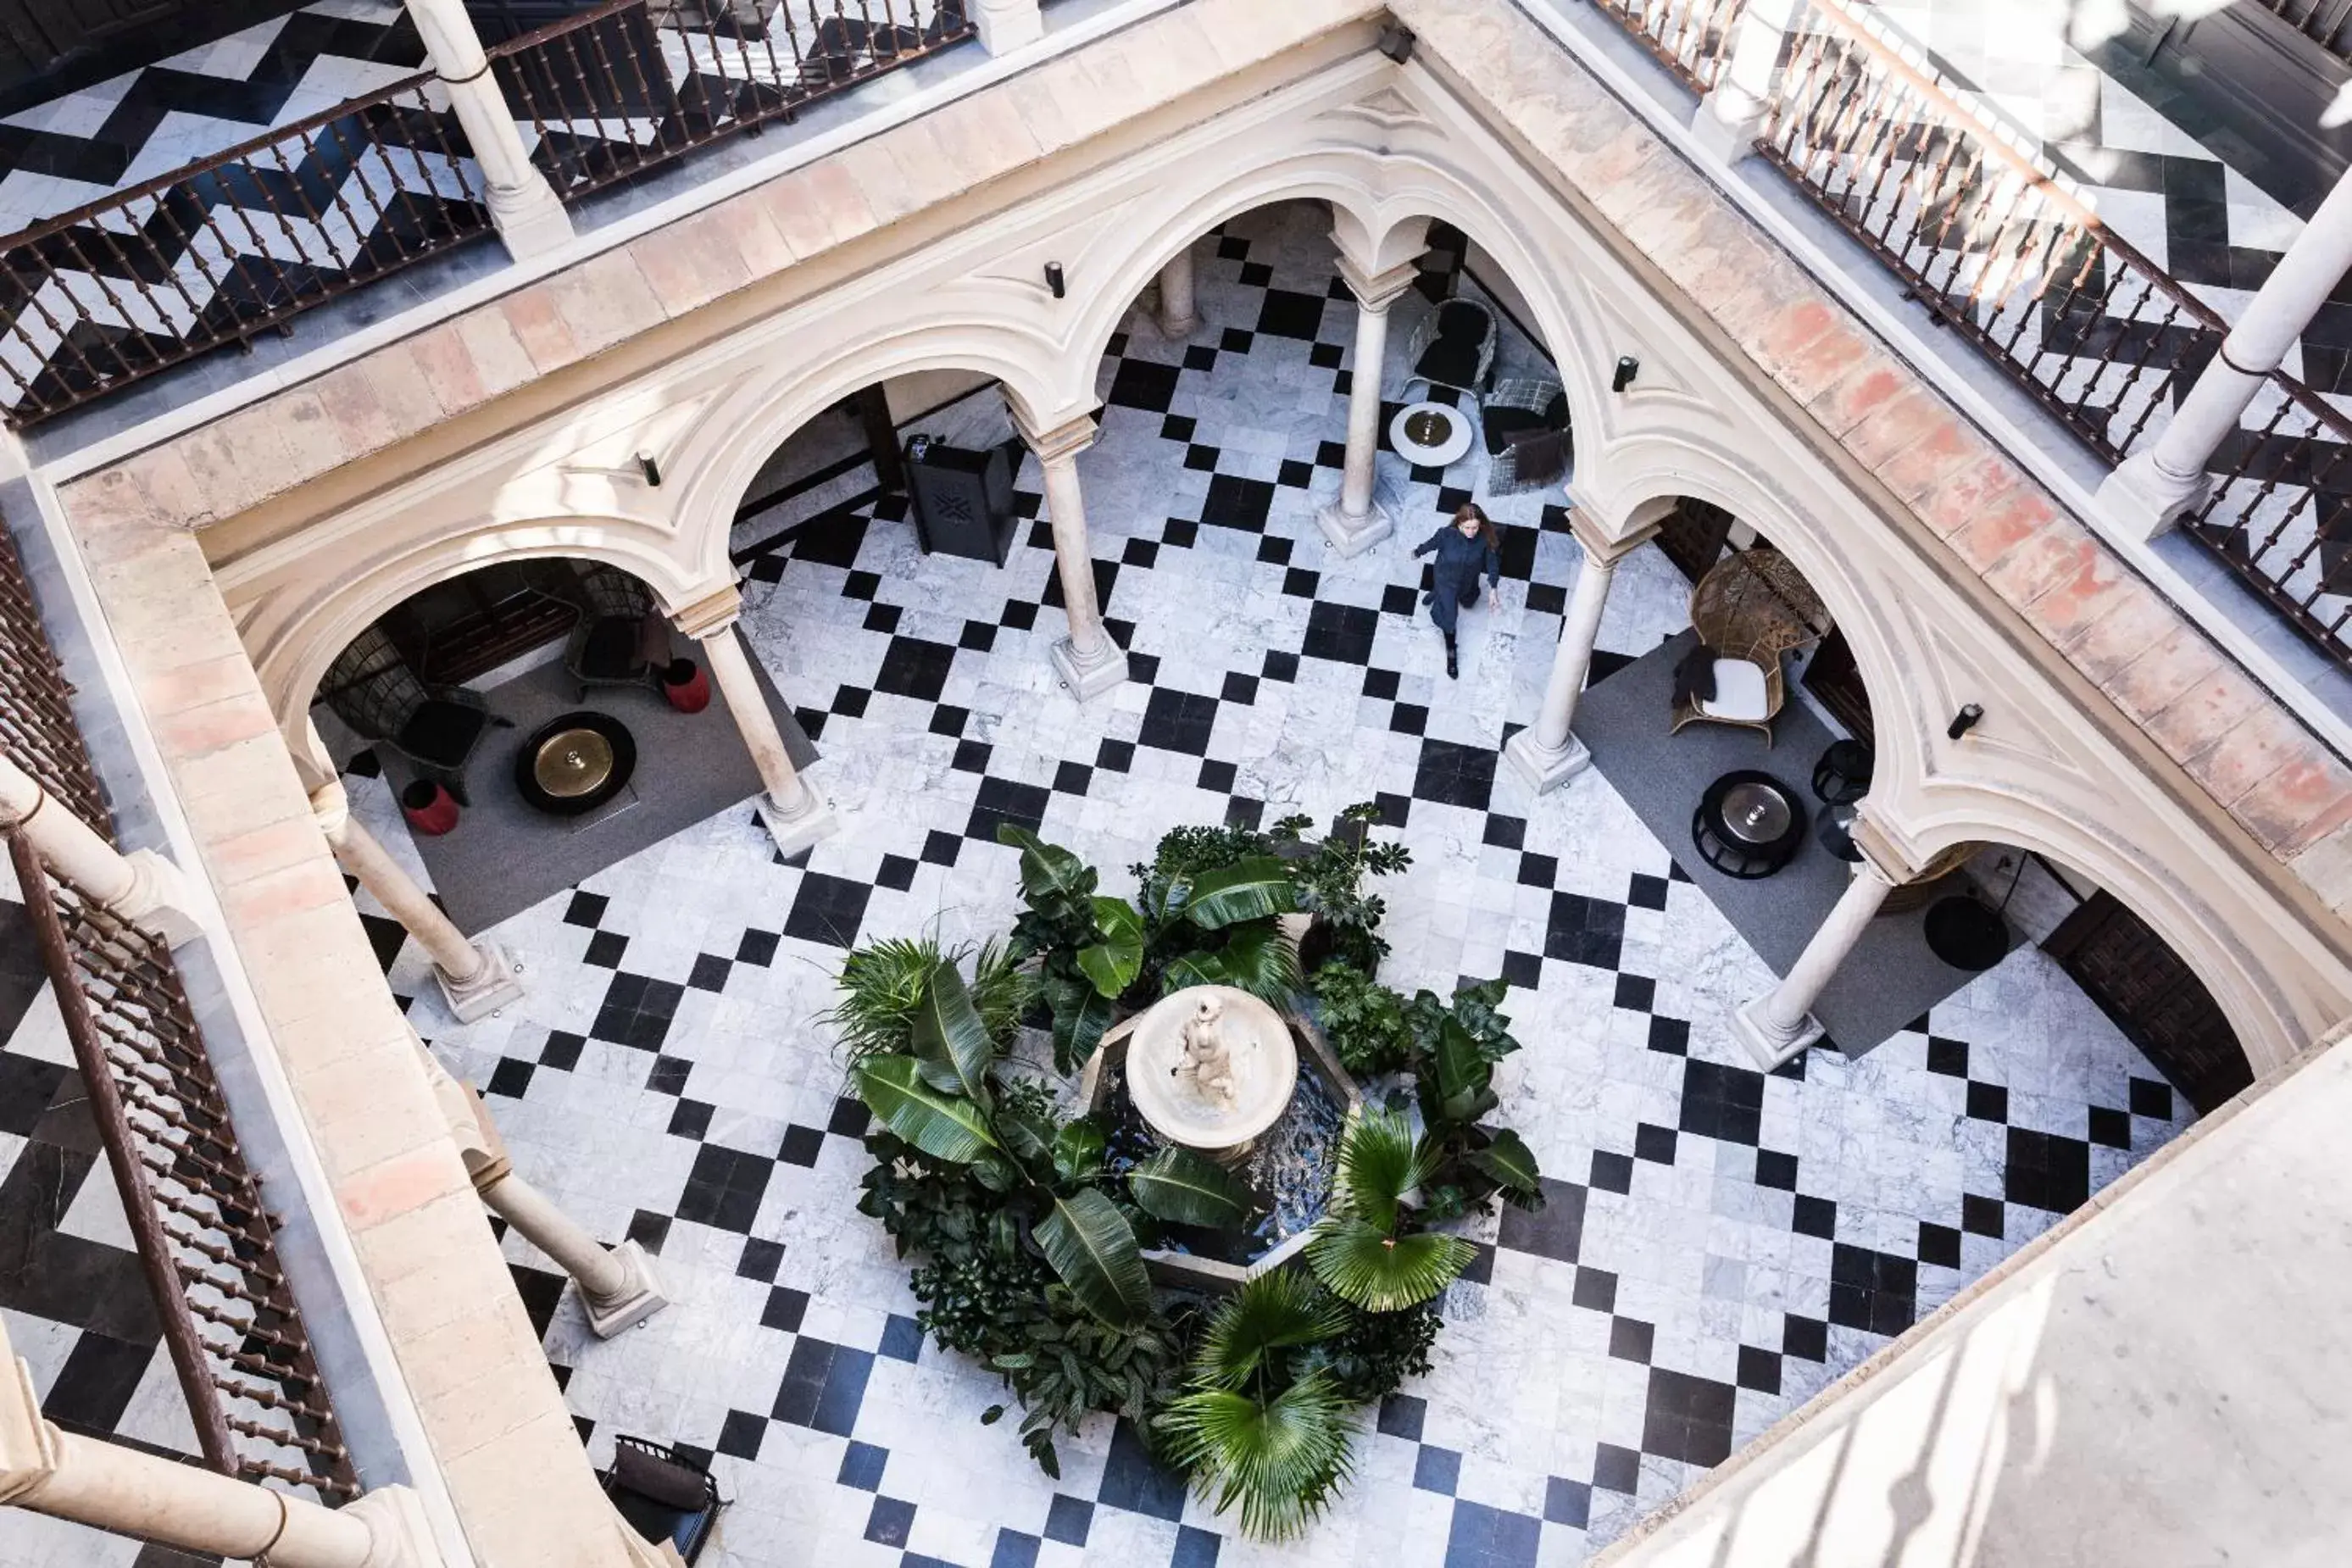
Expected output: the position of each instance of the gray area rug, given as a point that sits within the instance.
(1891, 978)
(503, 855)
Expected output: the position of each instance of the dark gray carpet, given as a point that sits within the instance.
(503, 855)
(1891, 978)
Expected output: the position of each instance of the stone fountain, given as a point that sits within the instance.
(1217, 1070)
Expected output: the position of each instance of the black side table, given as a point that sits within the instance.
(1833, 831)
(1747, 825)
(1844, 773)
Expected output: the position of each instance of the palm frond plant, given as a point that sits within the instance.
(883, 982)
(1261, 1430)
(1365, 1251)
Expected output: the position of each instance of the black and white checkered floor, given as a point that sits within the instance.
(1718, 1245)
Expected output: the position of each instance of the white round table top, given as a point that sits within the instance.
(1263, 1059)
(1430, 454)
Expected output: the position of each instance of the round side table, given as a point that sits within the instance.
(574, 764)
(1844, 773)
(1430, 435)
(1747, 825)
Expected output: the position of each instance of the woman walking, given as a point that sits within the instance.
(1462, 546)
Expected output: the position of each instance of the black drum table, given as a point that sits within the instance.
(574, 764)
(1747, 825)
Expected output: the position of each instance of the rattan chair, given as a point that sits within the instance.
(370, 688)
(620, 638)
(1454, 347)
(1751, 608)
(1526, 435)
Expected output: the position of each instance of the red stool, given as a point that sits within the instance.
(430, 809)
(686, 685)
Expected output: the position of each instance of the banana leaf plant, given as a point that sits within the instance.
(940, 1099)
(1366, 1251)
(1099, 955)
(1469, 1162)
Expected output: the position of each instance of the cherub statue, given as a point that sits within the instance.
(1206, 1056)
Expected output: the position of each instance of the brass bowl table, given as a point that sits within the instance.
(575, 763)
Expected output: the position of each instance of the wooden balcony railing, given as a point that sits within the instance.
(145, 278)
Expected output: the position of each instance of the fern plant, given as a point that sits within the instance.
(1261, 1429)
(883, 983)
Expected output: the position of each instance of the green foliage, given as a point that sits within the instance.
(1476, 1008)
(1365, 1251)
(881, 985)
(939, 1122)
(1254, 959)
(1373, 1357)
(1251, 889)
(1330, 875)
(1070, 1364)
(952, 1047)
(1185, 1188)
(1276, 1311)
(1363, 1020)
(1093, 1247)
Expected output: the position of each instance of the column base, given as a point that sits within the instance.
(1176, 328)
(1086, 681)
(639, 1297)
(2141, 500)
(1725, 133)
(160, 902)
(530, 219)
(399, 1535)
(1769, 1047)
(1352, 536)
(1543, 768)
(796, 831)
(1006, 24)
(487, 992)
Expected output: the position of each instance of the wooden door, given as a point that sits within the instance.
(1694, 535)
(2134, 974)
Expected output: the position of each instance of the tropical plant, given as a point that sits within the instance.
(1330, 875)
(1372, 1358)
(1455, 1050)
(1259, 1426)
(1365, 1249)
(1098, 954)
(1070, 1363)
(1363, 1020)
(882, 983)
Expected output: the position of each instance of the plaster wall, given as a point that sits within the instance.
(2160, 1381)
(2050, 769)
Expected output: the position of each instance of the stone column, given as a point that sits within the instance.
(1547, 754)
(1006, 24)
(529, 215)
(1178, 318)
(1730, 117)
(2151, 489)
(1780, 1024)
(617, 1285)
(796, 816)
(131, 1492)
(1087, 661)
(1355, 523)
(477, 977)
(142, 887)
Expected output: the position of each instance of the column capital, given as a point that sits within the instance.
(1061, 441)
(1600, 547)
(1377, 290)
(711, 613)
(1882, 857)
(1607, 535)
(331, 807)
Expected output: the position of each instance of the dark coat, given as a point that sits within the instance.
(1459, 559)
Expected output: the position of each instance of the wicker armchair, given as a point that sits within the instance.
(1526, 435)
(370, 688)
(620, 638)
(1751, 608)
(1454, 347)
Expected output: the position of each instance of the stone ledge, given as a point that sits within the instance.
(2274, 779)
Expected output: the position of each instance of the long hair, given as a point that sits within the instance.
(1470, 510)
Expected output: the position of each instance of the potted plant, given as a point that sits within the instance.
(1330, 875)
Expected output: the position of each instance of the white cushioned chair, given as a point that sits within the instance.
(1752, 607)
